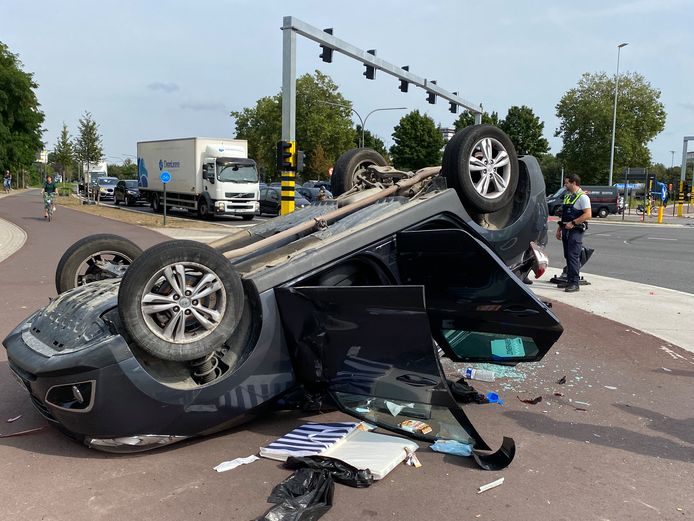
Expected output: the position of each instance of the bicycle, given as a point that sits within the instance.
(641, 209)
(48, 205)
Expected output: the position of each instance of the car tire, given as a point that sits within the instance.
(115, 201)
(156, 204)
(158, 308)
(203, 209)
(349, 165)
(486, 184)
(130, 201)
(603, 212)
(78, 265)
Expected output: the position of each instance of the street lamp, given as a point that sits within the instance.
(614, 114)
(362, 121)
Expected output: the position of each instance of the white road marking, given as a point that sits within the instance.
(659, 239)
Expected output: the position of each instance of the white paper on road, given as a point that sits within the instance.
(231, 465)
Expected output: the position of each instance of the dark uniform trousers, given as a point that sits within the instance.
(572, 239)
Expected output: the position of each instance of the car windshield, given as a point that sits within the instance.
(107, 181)
(559, 192)
(238, 173)
(131, 183)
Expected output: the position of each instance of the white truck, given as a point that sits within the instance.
(211, 176)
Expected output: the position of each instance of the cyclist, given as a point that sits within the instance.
(7, 181)
(48, 191)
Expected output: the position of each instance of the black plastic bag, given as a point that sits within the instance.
(304, 496)
(463, 392)
(342, 472)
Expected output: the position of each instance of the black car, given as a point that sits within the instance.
(604, 200)
(269, 202)
(128, 192)
(351, 299)
(313, 195)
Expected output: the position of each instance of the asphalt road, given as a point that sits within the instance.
(646, 253)
(617, 444)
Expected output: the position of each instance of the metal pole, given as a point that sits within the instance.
(367, 117)
(288, 177)
(614, 113)
(164, 204)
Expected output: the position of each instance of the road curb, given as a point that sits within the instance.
(12, 238)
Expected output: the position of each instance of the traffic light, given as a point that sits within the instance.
(370, 71)
(431, 97)
(404, 84)
(327, 54)
(453, 106)
(286, 157)
(300, 161)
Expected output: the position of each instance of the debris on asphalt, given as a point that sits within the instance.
(558, 394)
(493, 398)
(415, 426)
(610, 387)
(22, 433)
(666, 369)
(341, 471)
(488, 486)
(232, 464)
(530, 401)
(562, 380)
(306, 494)
(10, 420)
(463, 392)
(452, 447)
(411, 458)
(581, 403)
(580, 409)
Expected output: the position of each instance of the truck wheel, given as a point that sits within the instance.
(203, 209)
(156, 204)
(247, 217)
(96, 257)
(180, 300)
(480, 162)
(351, 164)
(603, 212)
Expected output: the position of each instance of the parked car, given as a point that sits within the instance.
(270, 198)
(312, 194)
(127, 192)
(604, 200)
(317, 184)
(106, 187)
(348, 300)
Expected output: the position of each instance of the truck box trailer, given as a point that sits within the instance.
(211, 176)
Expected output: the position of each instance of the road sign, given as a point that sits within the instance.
(165, 176)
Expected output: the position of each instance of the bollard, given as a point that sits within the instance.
(660, 214)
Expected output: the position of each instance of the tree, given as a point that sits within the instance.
(20, 117)
(319, 162)
(63, 155)
(585, 114)
(552, 172)
(88, 148)
(317, 122)
(467, 118)
(525, 130)
(127, 170)
(418, 142)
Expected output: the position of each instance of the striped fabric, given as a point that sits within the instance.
(308, 440)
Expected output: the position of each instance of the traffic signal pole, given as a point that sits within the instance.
(288, 174)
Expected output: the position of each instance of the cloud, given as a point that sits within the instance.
(201, 105)
(160, 85)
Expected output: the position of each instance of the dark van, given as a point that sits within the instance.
(603, 200)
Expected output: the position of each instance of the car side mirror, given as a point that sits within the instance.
(208, 172)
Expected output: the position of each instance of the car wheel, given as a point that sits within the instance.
(602, 213)
(350, 165)
(96, 257)
(180, 300)
(115, 201)
(203, 209)
(156, 204)
(480, 162)
(130, 201)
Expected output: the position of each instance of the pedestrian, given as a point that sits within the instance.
(7, 181)
(574, 216)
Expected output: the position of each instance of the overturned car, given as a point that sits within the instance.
(352, 297)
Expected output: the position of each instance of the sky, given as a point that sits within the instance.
(150, 70)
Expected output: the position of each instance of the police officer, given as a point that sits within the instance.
(575, 212)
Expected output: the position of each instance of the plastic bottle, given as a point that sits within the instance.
(479, 374)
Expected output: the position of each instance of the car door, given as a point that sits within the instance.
(119, 191)
(373, 348)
